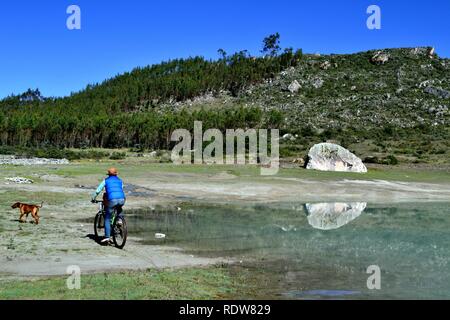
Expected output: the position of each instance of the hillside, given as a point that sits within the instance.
(390, 104)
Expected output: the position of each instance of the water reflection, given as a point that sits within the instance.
(331, 216)
(409, 241)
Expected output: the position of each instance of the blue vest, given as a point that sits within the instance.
(114, 188)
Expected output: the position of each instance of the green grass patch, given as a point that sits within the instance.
(383, 173)
(49, 198)
(140, 168)
(137, 168)
(199, 283)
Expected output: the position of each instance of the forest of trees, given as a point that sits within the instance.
(109, 114)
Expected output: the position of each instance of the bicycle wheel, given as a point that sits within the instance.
(99, 224)
(120, 232)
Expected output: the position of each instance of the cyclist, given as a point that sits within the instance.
(115, 197)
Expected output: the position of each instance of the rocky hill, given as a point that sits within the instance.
(380, 103)
(385, 105)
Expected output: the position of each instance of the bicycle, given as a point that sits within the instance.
(119, 229)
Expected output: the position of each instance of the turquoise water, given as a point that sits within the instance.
(317, 251)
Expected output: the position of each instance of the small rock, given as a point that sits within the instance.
(317, 83)
(299, 161)
(294, 86)
(288, 136)
(160, 236)
(425, 83)
(19, 180)
(325, 65)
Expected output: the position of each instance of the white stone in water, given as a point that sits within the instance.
(160, 236)
(332, 157)
(330, 216)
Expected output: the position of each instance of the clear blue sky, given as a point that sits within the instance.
(38, 51)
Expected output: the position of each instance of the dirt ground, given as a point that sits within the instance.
(62, 238)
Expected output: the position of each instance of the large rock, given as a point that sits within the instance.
(332, 157)
(330, 216)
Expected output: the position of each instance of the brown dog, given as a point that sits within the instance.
(26, 209)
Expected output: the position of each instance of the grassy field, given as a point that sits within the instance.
(135, 168)
(200, 283)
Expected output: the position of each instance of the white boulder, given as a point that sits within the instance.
(332, 157)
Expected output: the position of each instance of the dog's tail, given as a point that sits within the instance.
(42, 204)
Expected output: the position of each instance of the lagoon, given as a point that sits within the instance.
(315, 250)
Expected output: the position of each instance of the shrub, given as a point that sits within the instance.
(390, 160)
(118, 156)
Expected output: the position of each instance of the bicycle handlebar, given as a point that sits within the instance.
(97, 201)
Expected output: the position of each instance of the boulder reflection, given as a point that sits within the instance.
(330, 216)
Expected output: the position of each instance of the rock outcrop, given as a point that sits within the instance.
(431, 52)
(332, 157)
(438, 92)
(380, 58)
